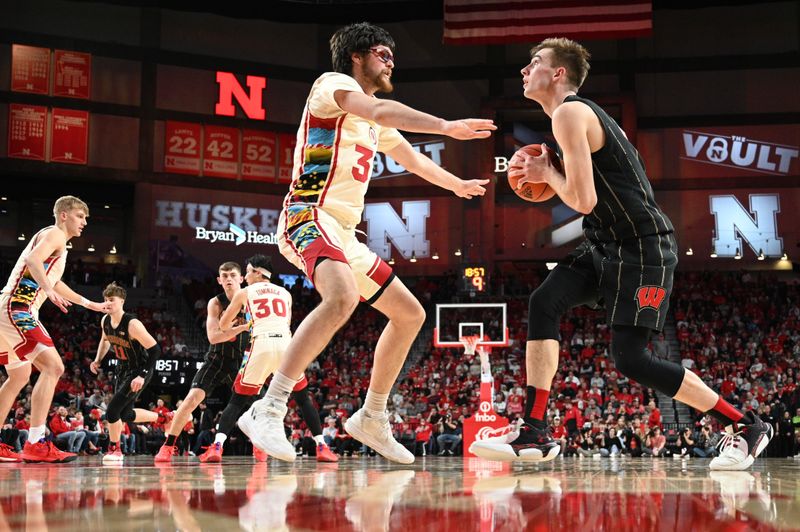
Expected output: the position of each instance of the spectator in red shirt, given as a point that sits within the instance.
(559, 433)
(62, 431)
(654, 419)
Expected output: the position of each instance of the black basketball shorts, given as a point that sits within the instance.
(632, 278)
(218, 369)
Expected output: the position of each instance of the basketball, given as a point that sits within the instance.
(535, 192)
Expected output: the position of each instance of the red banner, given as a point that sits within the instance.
(182, 150)
(30, 69)
(258, 155)
(26, 131)
(73, 71)
(69, 136)
(286, 144)
(221, 151)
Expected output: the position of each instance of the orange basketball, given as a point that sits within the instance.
(535, 192)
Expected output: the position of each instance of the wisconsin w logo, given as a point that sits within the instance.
(650, 296)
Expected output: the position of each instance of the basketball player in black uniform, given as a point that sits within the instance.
(626, 263)
(222, 360)
(136, 351)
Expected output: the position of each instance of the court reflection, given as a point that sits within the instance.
(372, 495)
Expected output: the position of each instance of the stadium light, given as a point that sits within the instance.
(784, 256)
(391, 261)
(21, 236)
(458, 252)
(738, 255)
(713, 252)
(113, 250)
(91, 247)
(689, 252)
(413, 257)
(435, 256)
(760, 254)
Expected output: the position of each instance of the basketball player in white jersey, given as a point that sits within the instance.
(270, 309)
(35, 278)
(343, 127)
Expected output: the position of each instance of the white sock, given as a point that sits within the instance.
(220, 438)
(319, 439)
(35, 434)
(375, 403)
(281, 387)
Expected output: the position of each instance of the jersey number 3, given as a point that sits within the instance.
(363, 165)
(264, 308)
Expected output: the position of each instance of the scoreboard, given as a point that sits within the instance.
(168, 371)
(474, 278)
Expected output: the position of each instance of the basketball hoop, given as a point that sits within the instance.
(470, 343)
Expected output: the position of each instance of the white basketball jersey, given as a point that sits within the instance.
(334, 152)
(22, 287)
(270, 307)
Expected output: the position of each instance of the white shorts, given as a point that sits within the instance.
(307, 234)
(22, 336)
(260, 361)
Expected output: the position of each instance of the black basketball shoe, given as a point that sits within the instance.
(742, 443)
(527, 443)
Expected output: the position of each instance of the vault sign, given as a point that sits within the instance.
(737, 151)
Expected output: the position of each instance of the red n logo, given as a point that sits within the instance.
(650, 296)
(229, 88)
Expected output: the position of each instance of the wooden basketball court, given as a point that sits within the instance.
(371, 494)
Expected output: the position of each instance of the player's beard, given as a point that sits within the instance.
(383, 82)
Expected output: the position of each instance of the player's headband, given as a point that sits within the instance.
(263, 271)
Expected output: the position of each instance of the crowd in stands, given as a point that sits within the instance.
(739, 331)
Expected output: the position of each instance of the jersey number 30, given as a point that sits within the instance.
(264, 309)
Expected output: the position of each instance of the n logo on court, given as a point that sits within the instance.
(650, 297)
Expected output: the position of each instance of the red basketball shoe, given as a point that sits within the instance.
(259, 455)
(212, 454)
(165, 453)
(324, 454)
(45, 451)
(7, 454)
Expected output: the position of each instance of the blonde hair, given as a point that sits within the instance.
(568, 54)
(67, 203)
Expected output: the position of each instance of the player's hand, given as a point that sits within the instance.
(137, 383)
(94, 366)
(58, 301)
(471, 187)
(469, 128)
(530, 169)
(103, 307)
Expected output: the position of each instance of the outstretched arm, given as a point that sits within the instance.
(421, 165)
(389, 113)
(70, 295)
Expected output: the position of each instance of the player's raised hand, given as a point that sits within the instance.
(58, 301)
(471, 187)
(469, 128)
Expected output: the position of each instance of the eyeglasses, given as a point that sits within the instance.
(384, 54)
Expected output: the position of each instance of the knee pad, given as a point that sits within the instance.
(543, 315)
(628, 348)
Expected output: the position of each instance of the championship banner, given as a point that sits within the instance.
(286, 145)
(69, 136)
(182, 150)
(258, 155)
(73, 72)
(26, 131)
(221, 152)
(30, 69)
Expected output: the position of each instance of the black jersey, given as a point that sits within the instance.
(625, 206)
(131, 355)
(237, 346)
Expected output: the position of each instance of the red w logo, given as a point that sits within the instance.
(650, 296)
